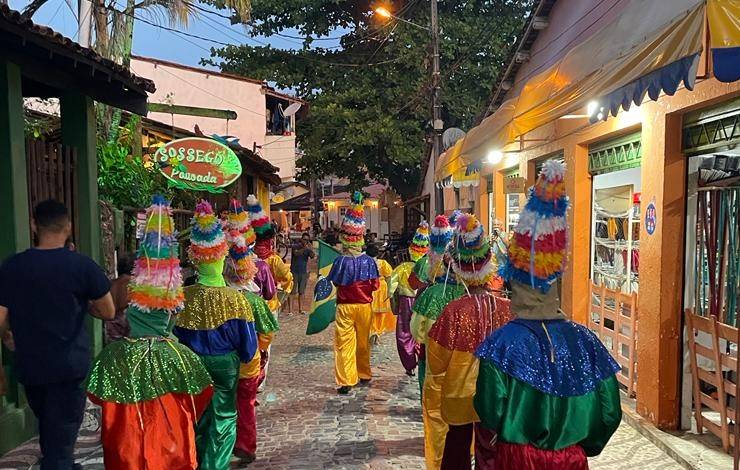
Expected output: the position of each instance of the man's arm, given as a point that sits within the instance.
(103, 307)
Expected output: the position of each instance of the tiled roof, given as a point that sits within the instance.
(12, 17)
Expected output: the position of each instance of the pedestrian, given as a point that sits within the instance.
(218, 325)
(302, 252)
(405, 294)
(547, 387)
(355, 276)
(452, 367)
(118, 327)
(239, 273)
(46, 293)
(264, 248)
(151, 389)
(383, 319)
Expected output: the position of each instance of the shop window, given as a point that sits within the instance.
(513, 203)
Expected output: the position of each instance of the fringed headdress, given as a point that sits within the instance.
(240, 267)
(471, 252)
(207, 240)
(537, 249)
(439, 238)
(420, 243)
(260, 221)
(157, 281)
(352, 230)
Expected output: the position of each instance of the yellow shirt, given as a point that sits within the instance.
(283, 278)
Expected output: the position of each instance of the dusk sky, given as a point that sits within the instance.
(155, 42)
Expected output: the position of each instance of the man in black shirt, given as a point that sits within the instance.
(45, 294)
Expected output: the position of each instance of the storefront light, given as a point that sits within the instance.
(592, 107)
(494, 157)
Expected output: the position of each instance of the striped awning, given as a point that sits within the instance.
(650, 48)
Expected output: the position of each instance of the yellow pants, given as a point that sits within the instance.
(351, 343)
(435, 428)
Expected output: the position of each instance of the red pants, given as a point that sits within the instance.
(264, 359)
(246, 423)
(528, 457)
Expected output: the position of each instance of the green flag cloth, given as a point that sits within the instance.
(324, 305)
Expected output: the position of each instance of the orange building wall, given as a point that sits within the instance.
(661, 254)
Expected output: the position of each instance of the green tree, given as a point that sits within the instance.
(369, 96)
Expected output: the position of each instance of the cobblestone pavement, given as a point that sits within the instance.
(304, 424)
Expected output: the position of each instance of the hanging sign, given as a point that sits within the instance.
(198, 164)
(651, 218)
(515, 185)
(140, 225)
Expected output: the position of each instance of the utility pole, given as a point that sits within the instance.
(84, 31)
(437, 124)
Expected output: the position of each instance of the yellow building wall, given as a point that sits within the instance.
(661, 254)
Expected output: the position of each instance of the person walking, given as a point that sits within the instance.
(408, 348)
(302, 252)
(118, 327)
(355, 276)
(46, 293)
(218, 325)
(151, 389)
(383, 319)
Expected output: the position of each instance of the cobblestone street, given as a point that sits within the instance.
(304, 424)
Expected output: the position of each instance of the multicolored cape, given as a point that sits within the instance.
(547, 386)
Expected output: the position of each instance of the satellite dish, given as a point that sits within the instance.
(450, 136)
(292, 109)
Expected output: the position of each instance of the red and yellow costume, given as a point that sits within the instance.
(356, 277)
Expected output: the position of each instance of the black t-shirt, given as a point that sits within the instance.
(46, 293)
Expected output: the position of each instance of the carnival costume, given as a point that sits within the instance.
(383, 319)
(218, 325)
(452, 367)
(151, 389)
(443, 290)
(280, 271)
(355, 276)
(240, 273)
(546, 385)
(407, 347)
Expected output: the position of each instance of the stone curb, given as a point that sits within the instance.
(654, 435)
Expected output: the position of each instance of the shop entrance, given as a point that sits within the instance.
(712, 271)
(615, 250)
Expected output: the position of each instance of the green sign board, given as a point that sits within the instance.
(198, 164)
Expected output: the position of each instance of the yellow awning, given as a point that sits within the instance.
(646, 37)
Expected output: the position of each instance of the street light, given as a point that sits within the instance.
(437, 124)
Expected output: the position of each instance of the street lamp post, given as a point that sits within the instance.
(437, 123)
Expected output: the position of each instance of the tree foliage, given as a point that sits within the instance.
(369, 97)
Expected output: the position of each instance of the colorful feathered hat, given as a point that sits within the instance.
(420, 243)
(537, 249)
(157, 281)
(240, 268)
(352, 230)
(439, 238)
(453, 217)
(207, 240)
(260, 221)
(471, 252)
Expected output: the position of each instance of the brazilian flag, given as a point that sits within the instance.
(324, 305)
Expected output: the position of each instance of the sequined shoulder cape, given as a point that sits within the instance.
(557, 357)
(467, 321)
(346, 270)
(207, 308)
(264, 321)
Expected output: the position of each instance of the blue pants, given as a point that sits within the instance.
(59, 409)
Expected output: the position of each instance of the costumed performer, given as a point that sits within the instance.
(546, 385)
(356, 277)
(383, 319)
(430, 302)
(282, 277)
(151, 389)
(240, 273)
(405, 297)
(218, 325)
(452, 367)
